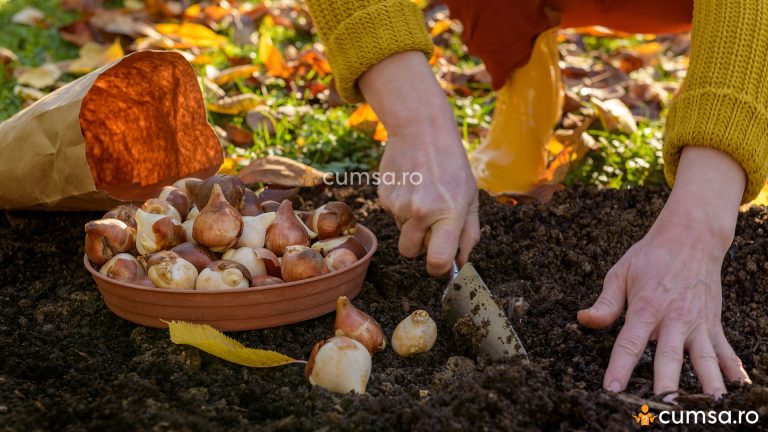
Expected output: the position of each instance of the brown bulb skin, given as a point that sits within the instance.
(286, 231)
(178, 199)
(218, 225)
(231, 186)
(339, 259)
(358, 325)
(105, 238)
(197, 255)
(265, 280)
(332, 220)
(301, 262)
(125, 213)
(249, 204)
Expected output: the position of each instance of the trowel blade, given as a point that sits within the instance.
(467, 295)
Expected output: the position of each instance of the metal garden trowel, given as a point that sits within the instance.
(467, 298)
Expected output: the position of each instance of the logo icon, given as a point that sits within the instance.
(644, 417)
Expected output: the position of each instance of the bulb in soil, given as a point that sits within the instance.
(177, 198)
(356, 324)
(122, 267)
(248, 258)
(415, 334)
(286, 231)
(301, 262)
(255, 230)
(168, 270)
(218, 225)
(223, 274)
(157, 232)
(105, 238)
(124, 212)
(340, 365)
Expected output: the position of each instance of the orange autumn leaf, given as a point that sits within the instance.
(363, 113)
(436, 54)
(380, 134)
(441, 27)
(272, 57)
(318, 62)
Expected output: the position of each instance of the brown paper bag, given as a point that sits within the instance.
(117, 134)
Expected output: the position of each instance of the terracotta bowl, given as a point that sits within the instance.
(237, 309)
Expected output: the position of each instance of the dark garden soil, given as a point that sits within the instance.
(68, 363)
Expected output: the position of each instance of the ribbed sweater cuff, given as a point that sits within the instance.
(373, 34)
(723, 120)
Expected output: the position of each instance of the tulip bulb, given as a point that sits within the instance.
(301, 262)
(255, 230)
(219, 224)
(285, 231)
(124, 212)
(265, 280)
(122, 267)
(168, 270)
(248, 258)
(104, 238)
(270, 260)
(340, 365)
(157, 232)
(270, 206)
(350, 243)
(161, 207)
(197, 255)
(339, 259)
(249, 204)
(223, 274)
(188, 185)
(177, 198)
(231, 188)
(415, 334)
(356, 324)
(332, 220)
(144, 281)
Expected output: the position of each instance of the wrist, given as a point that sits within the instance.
(405, 95)
(706, 196)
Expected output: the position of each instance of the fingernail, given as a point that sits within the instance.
(615, 386)
(670, 398)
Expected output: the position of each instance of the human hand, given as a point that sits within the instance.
(671, 282)
(434, 195)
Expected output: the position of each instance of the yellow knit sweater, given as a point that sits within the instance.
(723, 102)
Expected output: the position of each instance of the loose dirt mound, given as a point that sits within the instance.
(66, 362)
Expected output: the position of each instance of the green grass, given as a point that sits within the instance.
(34, 46)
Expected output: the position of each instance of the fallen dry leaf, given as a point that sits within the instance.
(28, 93)
(234, 105)
(260, 120)
(238, 136)
(317, 61)
(278, 170)
(7, 59)
(272, 57)
(615, 115)
(364, 118)
(232, 74)
(29, 16)
(188, 35)
(40, 77)
(116, 23)
(94, 56)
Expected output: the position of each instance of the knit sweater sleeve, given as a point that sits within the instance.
(723, 102)
(360, 33)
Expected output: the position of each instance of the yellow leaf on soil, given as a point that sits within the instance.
(191, 34)
(40, 77)
(94, 56)
(212, 341)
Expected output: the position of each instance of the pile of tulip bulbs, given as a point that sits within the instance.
(218, 234)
